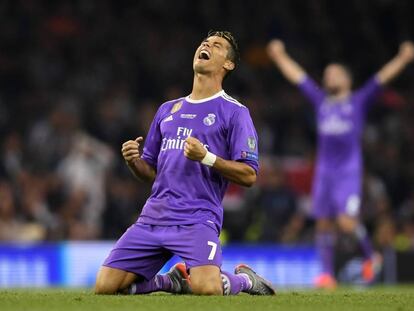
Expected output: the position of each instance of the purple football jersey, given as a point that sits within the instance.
(186, 191)
(340, 125)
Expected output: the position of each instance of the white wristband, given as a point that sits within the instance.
(209, 159)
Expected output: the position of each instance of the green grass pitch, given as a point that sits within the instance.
(381, 298)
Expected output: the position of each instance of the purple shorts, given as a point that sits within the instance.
(144, 249)
(336, 194)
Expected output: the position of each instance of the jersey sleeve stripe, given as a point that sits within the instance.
(232, 100)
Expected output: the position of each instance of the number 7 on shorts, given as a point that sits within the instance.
(213, 249)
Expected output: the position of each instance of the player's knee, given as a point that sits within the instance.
(207, 289)
(105, 288)
(209, 286)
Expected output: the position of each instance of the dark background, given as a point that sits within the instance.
(78, 78)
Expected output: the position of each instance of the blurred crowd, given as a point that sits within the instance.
(78, 78)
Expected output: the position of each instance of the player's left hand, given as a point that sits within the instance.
(194, 149)
(275, 48)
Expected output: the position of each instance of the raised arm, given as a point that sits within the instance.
(396, 65)
(289, 68)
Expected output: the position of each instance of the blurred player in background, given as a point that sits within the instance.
(195, 146)
(340, 114)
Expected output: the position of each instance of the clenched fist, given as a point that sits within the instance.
(194, 149)
(130, 149)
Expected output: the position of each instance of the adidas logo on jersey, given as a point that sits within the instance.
(170, 118)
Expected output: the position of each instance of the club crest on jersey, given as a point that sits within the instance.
(251, 142)
(210, 119)
(177, 106)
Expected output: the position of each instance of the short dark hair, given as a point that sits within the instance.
(234, 53)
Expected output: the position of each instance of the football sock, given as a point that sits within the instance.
(364, 241)
(325, 245)
(157, 283)
(235, 283)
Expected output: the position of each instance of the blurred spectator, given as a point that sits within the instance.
(83, 175)
(12, 226)
(405, 238)
(238, 212)
(280, 218)
(375, 201)
(50, 139)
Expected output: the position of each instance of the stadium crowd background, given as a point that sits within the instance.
(78, 78)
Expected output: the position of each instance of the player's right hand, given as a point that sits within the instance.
(130, 149)
(407, 51)
(275, 48)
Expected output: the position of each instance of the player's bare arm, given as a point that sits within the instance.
(290, 69)
(141, 169)
(396, 65)
(237, 172)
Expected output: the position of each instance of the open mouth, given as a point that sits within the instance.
(204, 55)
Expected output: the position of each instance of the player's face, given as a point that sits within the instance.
(211, 56)
(336, 79)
